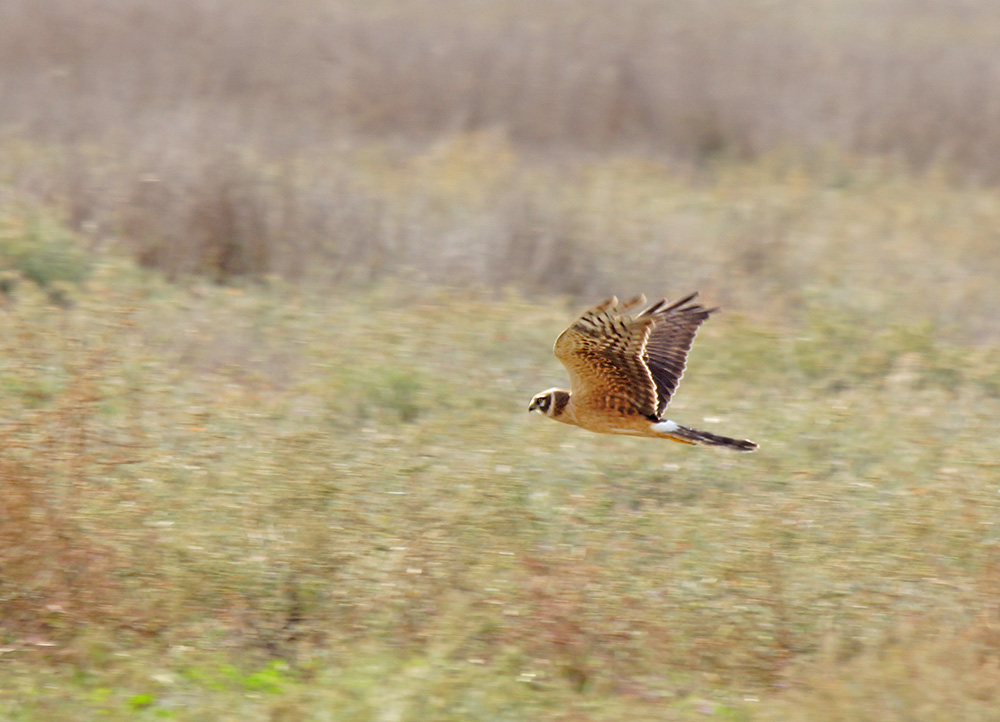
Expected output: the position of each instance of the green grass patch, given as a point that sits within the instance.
(39, 249)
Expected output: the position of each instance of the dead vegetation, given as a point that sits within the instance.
(236, 138)
(233, 482)
(211, 491)
(736, 78)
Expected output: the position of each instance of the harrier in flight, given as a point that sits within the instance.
(624, 368)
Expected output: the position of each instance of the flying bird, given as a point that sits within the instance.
(623, 370)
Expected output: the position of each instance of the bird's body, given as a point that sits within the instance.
(624, 369)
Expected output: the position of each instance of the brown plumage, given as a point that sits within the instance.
(623, 370)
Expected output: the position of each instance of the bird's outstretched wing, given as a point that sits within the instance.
(603, 352)
(630, 364)
(670, 337)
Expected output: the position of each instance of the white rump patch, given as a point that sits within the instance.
(665, 427)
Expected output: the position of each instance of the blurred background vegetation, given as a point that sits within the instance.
(278, 279)
(759, 150)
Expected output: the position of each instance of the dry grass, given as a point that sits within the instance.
(776, 237)
(60, 570)
(316, 492)
(234, 138)
(257, 502)
(737, 77)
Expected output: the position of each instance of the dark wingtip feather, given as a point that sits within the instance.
(654, 308)
(661, 307)
(677, 304)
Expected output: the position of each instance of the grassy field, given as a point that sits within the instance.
(476, 141)
(279, 502)
(278, 280)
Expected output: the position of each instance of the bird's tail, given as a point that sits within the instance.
(693, 436)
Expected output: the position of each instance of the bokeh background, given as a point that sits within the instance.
(277, 281)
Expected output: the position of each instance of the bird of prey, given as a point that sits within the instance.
(624, 368)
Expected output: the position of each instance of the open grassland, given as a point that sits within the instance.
(780, 238)
(915, 80)
(277, 281)
(280, 503)
(478, 141)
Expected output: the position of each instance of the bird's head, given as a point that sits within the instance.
(550, 402)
